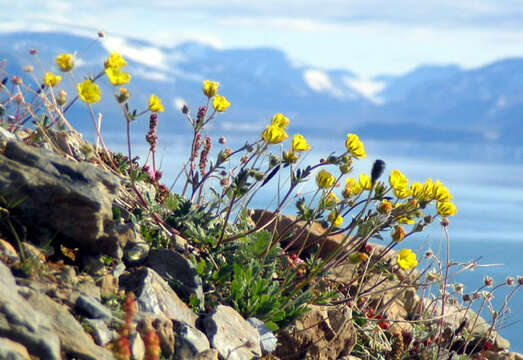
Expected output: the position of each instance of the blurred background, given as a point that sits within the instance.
(434, 88)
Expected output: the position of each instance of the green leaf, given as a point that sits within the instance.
(200, 267)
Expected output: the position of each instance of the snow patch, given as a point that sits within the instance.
(147, 55)
(366, 87)
(317, 80)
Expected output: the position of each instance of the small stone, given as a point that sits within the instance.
(92, 307)
(211, 354)
(268, 341)
(69, 275)
(231, 334)
(118, 270)
(99, 331)
(87, 286)
(8, 251)
(136, 253)
(189, 342)
(108, 285)
(11, 350)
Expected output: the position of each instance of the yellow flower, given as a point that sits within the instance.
(299, 143)
(273, 134)
(365, 182)
(355, 146)
(407, 259)
(290, 157)
(406, 220)
(335, 219)
(210, 88)
(402, 192)
(446, 208)
(89, 92)
(398, 180)
(117, 77)
(155, 104)
(441, 193)
(423, 192)
(280, 120)
(115, 60)
(385, 207)
(351, 188)
(330, 200)
(398, 234)
(220, 103)
(51, 79)
(65, 62)
(324, 179)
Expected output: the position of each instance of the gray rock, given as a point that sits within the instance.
(163, 327)
(231, 334)
(190, 342)
(74, 341)
(136, 253)
(10, 350)
(137, 346)
(211, 354)
(268, 341)
(6, 136)
(92, 307)
(8, 251)
(178, 270)
(21, 323)
(99, 331)
(154, 295)
(118, 270)
(52, 186)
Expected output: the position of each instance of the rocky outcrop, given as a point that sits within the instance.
(72, 198)
(323, 333)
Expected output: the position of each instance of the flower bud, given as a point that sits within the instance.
(222, 140)
(385, 207)
(398, 234)
(16, 80)
(429, 253)
(377, 170)
(510, 280)
(345, 168)
(466, 298)
(488, 281)
(444, 221)
(123, 95)
(28, 68)
(101, 34)
(33, 51)
(185, 109)
(459, 288)
(61, 98)
(224, 181)
(520, 280)
(428, 219)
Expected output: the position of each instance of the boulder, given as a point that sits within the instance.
(323, 333)
(49, 187)
(22, 323)
(177, 270)
(154, 295)
(231, 334)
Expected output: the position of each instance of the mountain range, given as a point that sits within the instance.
(429, 103)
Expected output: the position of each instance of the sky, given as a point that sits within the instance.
(367, 37)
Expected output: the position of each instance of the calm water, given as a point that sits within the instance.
(486, 182)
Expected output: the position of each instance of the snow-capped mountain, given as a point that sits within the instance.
(428, 103)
